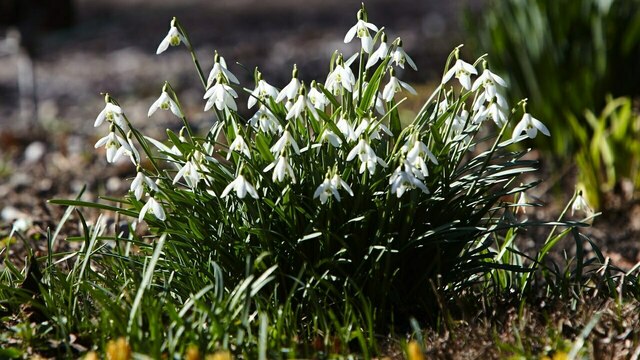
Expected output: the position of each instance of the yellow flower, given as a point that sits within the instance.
(220, 355)
(192, 353)
(414, 352)
(91, 355)
(118, 349)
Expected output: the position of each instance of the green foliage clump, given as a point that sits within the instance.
(609, 149)
(565, 56)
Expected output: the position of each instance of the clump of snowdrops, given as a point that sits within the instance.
(324, 212)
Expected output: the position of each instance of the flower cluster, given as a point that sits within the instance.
(348, 123)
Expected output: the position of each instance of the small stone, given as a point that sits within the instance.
(34, 152)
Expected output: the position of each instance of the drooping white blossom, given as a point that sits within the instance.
(242, 187)
(529, 125)
(153, 207)
(462, 71)
(173, 38)
(165, 102)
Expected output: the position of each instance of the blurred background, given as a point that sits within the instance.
(109, 46)
(577, 61)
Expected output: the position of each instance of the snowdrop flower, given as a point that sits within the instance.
(497, 113)
(222, 96)
(241, 186)
(302, 103)
(417, 159)
(340, 78)
(130, 151)
(325, 190)
(112, 143)
(580, 204)
(521, 204)
(111, 113)
(530, 125)
(361, 30)
(366, 155)
(317, 97)
(281, 169)
(173, 38)
(153, 207)
(380, 53)
(285, 141)
(138, 183)
(330, 187)
(261, 92)
(190, 174)
(331, 137)
(462, 71)
(395, 86)
(240, 146)
(371, 129)
(379, 105)
(401, 181)
(399, 56)
(290, 91)
(347, 129)
(265, 120)
(338, 183)
(165, 102)
(220, 73)
(488, 81)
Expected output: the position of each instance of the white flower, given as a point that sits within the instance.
(340, 78)
(265, 120)
(488, 80)
(380, 53)
(152, 206)
(111, 113)
(347, 130)
(240, 146)
(130, 151)
(302, 103)
(137, 185)
(379, 103)
(281, 169)
(220, 72)
(522, 204)
(241, 186)
(530, 125)
(361, 30)
(173, 38)
(290, 91)
(318, 98)
(366, 155)
(463, 71)
(580, 204)
(222, 96)
(497, 113)
(401, 181)
(165, 102)
(112, 143)
(330, 187)
(416, 160)
(328, 135)
(372, 129)
(285, 140)
(399, 56)
(338, 183)
(190, 173)
(395, 86)
(325, 190)
(262, 90)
